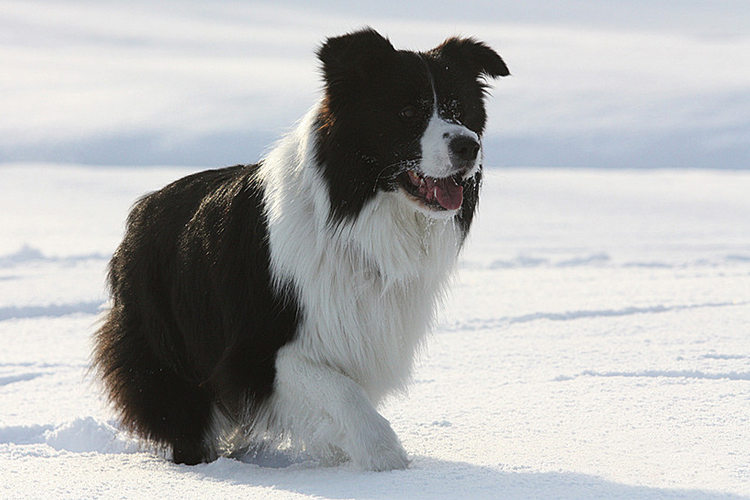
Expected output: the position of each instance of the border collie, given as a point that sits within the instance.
(283, 301)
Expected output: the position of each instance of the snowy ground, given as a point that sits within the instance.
(655, 83)
(595, 346)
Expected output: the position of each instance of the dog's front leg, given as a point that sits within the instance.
(327, 408)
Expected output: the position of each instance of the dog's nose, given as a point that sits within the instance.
(464, 149)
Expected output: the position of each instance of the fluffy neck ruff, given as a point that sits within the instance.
(367, 286)
(388, 239)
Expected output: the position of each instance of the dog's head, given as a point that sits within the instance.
(405, 122)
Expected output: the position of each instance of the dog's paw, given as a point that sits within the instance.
(385, 460)
(378, 448)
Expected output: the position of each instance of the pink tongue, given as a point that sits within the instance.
(446, 191)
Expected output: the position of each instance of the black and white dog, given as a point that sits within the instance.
(285, 300)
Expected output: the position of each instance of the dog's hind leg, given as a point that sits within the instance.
(152, 399)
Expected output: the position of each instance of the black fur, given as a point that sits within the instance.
(194, 320)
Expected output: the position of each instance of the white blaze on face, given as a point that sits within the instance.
(436, 154)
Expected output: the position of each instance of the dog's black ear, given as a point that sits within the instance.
(473, 55)
(354, 55)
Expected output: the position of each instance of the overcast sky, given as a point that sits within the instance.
(644, 83)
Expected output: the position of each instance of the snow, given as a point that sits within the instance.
(595, 345)
(654, 83)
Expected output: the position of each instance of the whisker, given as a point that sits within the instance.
(398, 168)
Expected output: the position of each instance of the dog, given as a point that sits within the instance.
(283, 301)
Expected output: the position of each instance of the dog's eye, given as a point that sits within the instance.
(408, 113)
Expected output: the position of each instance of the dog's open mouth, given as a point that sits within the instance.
(437, 194)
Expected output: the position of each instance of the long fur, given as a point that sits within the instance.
(286, 300)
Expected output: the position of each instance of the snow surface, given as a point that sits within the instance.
(595, 346)
(642, 83)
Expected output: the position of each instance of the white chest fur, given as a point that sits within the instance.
(367, 290)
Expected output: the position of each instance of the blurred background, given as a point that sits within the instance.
(596, 83)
